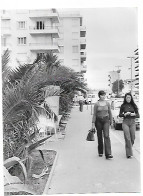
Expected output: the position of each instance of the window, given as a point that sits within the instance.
(41, 54)
(40, 25)
(75, 49)
(21, 25)
(21, 40)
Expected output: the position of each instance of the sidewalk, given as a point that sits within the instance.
(80, 170)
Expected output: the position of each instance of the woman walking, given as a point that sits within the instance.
(102, 119)
(129, 112)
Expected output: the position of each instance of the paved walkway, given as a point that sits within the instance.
(79, 169)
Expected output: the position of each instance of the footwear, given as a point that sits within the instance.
(100, 155)
(129, 157)
(109, 157)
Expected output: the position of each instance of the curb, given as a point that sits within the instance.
(45, 192)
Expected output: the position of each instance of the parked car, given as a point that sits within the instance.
(137, 119)
(115, 108)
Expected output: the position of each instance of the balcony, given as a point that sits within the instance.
(83, 55)
(136, 66)
(82, 43)
(137, 75)
(82, 31)
(137, 61)
(6, 30)
(82, 28)
(46, 30)
(43, 47)
(83, 68)
(49, 13)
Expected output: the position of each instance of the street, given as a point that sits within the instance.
(79, 169)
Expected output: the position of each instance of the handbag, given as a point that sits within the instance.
(90, 135)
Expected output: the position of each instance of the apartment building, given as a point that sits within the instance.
(72, 41)
(136, 53)
(28, 33)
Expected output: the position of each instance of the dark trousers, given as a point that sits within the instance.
(81, 106)
(129, 128)
(102, 126)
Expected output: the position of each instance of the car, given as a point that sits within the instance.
(137, 120)
(115, 108)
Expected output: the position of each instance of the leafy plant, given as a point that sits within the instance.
(118, 85)
(24, 100)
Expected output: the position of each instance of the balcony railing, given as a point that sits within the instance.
(83, 68)
(82, 43)
(82, 40)
(83, 55)
(49, 13)
(82, 28)
(45, 30)
(44, 47)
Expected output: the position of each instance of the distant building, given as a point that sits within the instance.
(136, 52)
(112, 77)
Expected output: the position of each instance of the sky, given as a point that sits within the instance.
(111, 37)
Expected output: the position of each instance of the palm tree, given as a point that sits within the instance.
(23, 95)
(22, 99)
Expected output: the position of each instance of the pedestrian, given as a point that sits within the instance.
(102, 119)
(81, 101)
(129, 111)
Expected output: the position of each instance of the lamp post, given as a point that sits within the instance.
(131, 57)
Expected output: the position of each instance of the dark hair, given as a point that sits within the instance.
(132, 101)
(101, 93)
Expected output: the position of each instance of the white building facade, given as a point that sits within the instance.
(28, 33)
